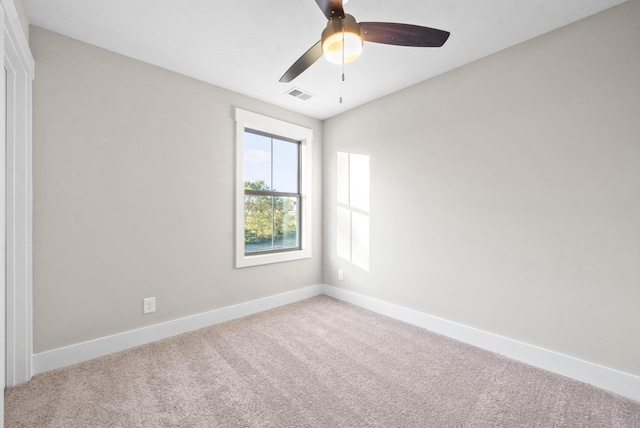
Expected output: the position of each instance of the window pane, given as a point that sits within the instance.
(271, 223)
(258, 223)
(285, 166)
(257, 161)
(285, 223)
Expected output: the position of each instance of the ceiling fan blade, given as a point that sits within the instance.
(403, 34)
(331, 8)
(304, 62)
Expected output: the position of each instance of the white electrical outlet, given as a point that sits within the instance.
(340, 274)
(149, 305)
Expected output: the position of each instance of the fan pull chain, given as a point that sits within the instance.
(342, 66)
(341, 83)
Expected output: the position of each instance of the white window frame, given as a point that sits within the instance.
(249, 120)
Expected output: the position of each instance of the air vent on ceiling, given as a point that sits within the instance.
(299, 93)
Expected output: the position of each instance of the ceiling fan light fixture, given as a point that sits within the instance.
(332, 47)
(342, 40)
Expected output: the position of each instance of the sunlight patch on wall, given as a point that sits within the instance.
(353, 208)
(344, 233)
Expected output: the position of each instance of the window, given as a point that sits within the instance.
(271, 193)
(273, 204)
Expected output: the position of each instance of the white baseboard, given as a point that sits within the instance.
(612, 380)
(61, 357)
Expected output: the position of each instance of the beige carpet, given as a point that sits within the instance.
(316, 363)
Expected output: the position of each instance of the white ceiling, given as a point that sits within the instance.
(245, 46)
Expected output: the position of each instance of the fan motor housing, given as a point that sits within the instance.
(342, 40)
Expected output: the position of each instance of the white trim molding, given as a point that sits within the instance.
(19, 66)
(3, 237)
(61, 357)
(17, 38)
(616, 381)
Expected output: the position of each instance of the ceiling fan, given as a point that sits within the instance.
(342, 39)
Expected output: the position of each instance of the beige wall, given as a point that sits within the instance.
(134, 195)
(505, 195)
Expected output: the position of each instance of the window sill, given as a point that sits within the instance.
(263, 259)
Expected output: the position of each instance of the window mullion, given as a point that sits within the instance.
(273, 222)
(267, 193)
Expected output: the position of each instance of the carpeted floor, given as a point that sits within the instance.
(316, 363)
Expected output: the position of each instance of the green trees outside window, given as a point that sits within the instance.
(271, 222)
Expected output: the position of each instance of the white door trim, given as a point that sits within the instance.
(17, 195)
(3, 362)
